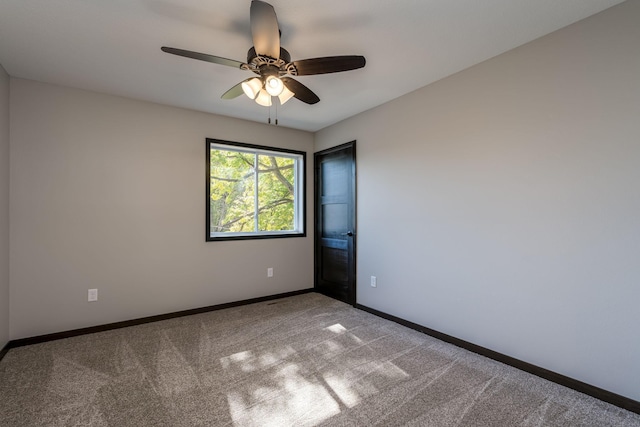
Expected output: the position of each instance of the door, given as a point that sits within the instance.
(335, 223)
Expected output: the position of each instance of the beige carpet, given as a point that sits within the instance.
(300, 361)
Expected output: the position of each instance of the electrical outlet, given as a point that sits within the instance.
(374, 281)
(269, 272)
(92, 295)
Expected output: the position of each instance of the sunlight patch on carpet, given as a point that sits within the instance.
(292, 399)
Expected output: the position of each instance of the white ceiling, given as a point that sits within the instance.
(113, 46)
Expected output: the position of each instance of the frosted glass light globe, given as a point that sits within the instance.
(274, 86)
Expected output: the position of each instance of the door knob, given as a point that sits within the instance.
(348, 233)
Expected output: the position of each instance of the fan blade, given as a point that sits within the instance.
(235, 91)
(328, 64)
(300, 91)
(264, 29)
(204, 57)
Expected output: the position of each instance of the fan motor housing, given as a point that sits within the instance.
(284, 56)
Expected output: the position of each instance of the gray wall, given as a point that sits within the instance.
(109, 193)
(502, 205)
(4, 207)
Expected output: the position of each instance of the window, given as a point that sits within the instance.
(254, 192)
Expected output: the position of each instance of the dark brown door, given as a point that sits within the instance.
(335, 225)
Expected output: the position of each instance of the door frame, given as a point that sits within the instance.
(317, 224)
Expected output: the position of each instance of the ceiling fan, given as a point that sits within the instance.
(272, 63)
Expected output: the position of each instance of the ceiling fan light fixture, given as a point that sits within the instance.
(252, 87)
(285, 95)
(271, 63)
(274, 85)
(264, 98)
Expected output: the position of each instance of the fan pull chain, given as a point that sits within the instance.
(269, 119)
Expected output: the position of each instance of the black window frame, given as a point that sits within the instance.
(260, 149)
